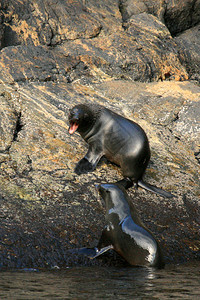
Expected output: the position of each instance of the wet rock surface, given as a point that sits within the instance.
(57, 54)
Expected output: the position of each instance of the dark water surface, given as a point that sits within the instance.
(174, 282)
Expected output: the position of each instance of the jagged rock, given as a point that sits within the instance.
(181, 15)
(47, 22)
(176, 15)
(159, 49)
(129, 8)
(189, 45)
(187, 124)
(29, 63)
(56, 54)
(144, 51)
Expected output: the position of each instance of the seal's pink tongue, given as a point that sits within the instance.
(73, 127)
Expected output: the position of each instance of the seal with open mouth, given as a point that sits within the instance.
(120, 140)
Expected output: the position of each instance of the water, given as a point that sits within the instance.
(174, 282)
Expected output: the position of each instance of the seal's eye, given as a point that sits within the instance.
(107, 192)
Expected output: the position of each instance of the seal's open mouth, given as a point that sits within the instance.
(73, 127)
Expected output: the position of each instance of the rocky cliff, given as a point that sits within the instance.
(138, 58)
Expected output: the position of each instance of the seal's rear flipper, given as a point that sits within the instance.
(90, 252)
(154, 189)
(102, 250)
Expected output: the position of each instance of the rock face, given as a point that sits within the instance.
(176, 15)
(121, 54)
(189, 45)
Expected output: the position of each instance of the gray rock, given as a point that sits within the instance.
(176, 15)
(189, 45)
(181, 15)
(187, 124)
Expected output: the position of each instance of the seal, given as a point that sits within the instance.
(124, 232)
(120, 140)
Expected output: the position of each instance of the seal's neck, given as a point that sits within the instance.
(117, 205)
(86, 127)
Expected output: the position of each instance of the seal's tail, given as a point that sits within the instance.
(154, 189)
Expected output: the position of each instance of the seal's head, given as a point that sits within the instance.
(80, 118)
(115, 199)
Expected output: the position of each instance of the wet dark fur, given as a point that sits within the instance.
(120, 140)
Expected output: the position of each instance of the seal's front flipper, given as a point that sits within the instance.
(89, 162)
(83, 166)
(102, 250)
(155, 189)
(90, 252)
